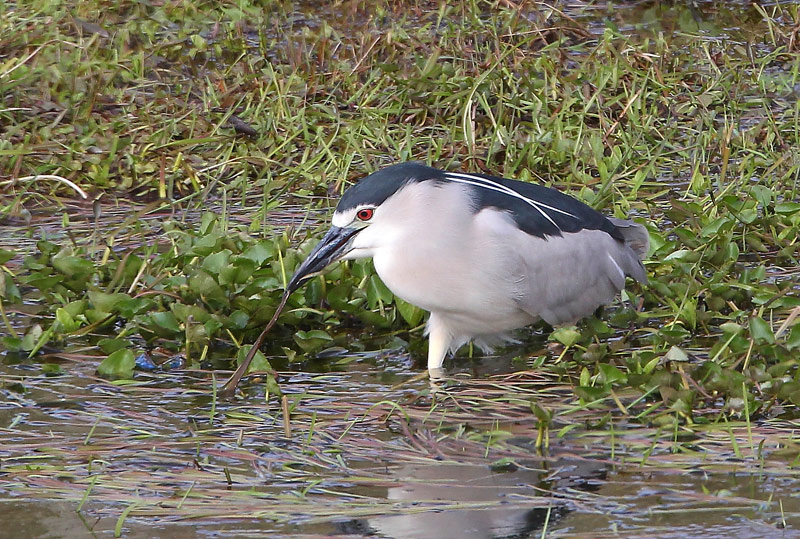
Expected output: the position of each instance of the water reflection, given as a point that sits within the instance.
(497, 510)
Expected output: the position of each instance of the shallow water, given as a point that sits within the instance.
(372, 449)
(355, 464)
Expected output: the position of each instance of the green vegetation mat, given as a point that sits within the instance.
(164, 166)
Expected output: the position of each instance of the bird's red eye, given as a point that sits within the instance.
(365, 214)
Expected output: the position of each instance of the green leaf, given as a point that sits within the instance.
(238, 320)
(377, 291)
(566, 336)
(260, 252)
(110, 346)
(611, 374)
(410, 313)
(589, 393)
(793, 340)
(107, 303)
(72, 266)
(760, 331)
(128, 308)
(204, 285)
(543, 415)
(5, 256)
(312, 340)
(183, 312)
(52, 369)
(237, 272)
(207, 244)
(164, 324)
(676, 354)
(119, 364)
(585, 377)
(787, 208)
(216, 261)
(259, 363)
(68, 324)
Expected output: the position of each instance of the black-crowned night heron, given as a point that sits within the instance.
(483, 255)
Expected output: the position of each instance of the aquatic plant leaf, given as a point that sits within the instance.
(206, 286)
(5, 256)
(110, 346)
(312, 340)
(107, 303)
(610, 374)
(214, 262)
(566, 335)
(119, 364)
(410, 313)
(260, 252)
(164, 324)
(73, 266)
(260, 363)
(761, 331)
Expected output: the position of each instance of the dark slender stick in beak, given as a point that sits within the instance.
(227, 390)
(332, 247)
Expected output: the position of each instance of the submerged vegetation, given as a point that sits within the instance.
(211, 139)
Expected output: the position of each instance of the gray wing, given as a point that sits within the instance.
(565, 278)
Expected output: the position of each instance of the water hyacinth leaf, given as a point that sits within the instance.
(410, 313)
(260, 252)
(373, 318)
(731, 328)
(76, 308)
(676, 354)
(67, 322)
(787, 208)
(184, 312)
(273, 388)
(107, 303)
(566, 335)
(543, 415)
(260, 362)
(133, 306)
(590, 393)
(377, 291)
(683, 255)
(5, 256)
(8, 289)
(164, 324)
(237, 272)
(312, 340)
(119, 364)
(207, 222)
(238, 320)
(212, 326)
(761, 331)
(585, 377)
(207, 245)
(109, 346)
(214, 262)
(609, 374)
(204, 285)
(25, 343)
(793, 340)
(73, 266)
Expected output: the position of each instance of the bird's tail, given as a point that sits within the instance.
(638, 239)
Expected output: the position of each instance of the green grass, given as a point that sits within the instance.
(220, 134)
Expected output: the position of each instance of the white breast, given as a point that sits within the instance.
(426, 254)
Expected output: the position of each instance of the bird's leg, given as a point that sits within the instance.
(439, 341)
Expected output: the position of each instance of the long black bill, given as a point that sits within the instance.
(332, 247)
